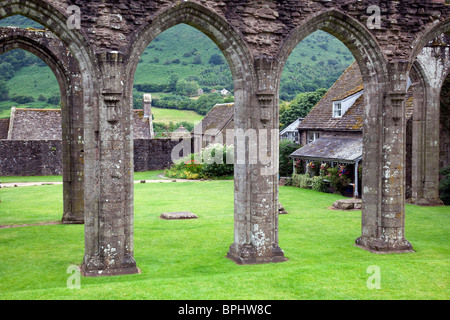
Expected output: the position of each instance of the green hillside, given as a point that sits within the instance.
(172, 68)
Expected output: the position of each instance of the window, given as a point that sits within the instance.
(312, 135)
(337, 109)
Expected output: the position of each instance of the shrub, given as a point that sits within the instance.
(338, 179)
(188, 167)
(211, 164)
(22, 99)
(54, 99)
(318, 184)
(302, 181)
(216, 161)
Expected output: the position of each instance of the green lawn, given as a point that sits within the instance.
(146, 175)
(186, 259)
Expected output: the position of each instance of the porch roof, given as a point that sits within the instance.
(333, 149)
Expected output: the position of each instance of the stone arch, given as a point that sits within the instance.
(352, 33)
(379, 232)
(55, 20)
(227, 39)
(240, 61)
(68, 77)
(428, 35)
(429, 70)
(42, 52)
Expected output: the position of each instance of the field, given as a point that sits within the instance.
(186, 259)
(171, 115)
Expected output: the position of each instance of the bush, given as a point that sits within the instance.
(22, 99)
(215, 162)
(211, 164)
(444, 185)
(302, 181)
(216, 59)
(338, 179)
(54, 99)
(318, 184)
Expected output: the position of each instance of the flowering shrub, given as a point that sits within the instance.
(314, 168)
(210, 164)
(338, 179)
(299, 167)
(323, 169)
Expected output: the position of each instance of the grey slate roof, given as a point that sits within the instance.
(45, 124)
(219, 117)
(337, 149)
(321, 115)
(292, 127)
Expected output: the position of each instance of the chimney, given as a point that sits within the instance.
(148, 111)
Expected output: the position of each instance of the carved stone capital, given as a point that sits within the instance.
(397, 99)
(265, 99)
(112, 101)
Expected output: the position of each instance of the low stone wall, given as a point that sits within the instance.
(30, 157)
(154, 154)
(4, 126)
(44, 157)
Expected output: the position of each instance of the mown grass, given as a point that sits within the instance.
(186, 259)
(146, 175)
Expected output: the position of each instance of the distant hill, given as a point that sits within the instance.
(178, 60)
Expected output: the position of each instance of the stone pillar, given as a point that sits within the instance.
(109, 229)
(383, 216)
(432, 64)
(256, 174)
(73, 152)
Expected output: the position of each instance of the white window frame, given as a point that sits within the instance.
(337, 109)
(315, 135)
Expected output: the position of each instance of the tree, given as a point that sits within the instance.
(285, 163)
(4, 91)
(197, 59)
(173, 79)
(187, 88)
(216, 59)
(54, 99)
(6, 71)
(300, 106)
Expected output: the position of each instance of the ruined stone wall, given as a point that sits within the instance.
(153, 154)
(264, 24)
(4, 126)
(30, 158)
(44, 157)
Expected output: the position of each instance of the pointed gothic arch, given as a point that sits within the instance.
(380, 197)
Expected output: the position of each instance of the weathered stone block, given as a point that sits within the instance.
(178, 215)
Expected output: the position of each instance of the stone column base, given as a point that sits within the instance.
(96, 269)
(248, 255)
(70, 218)
(428, 202)
(375, 245)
